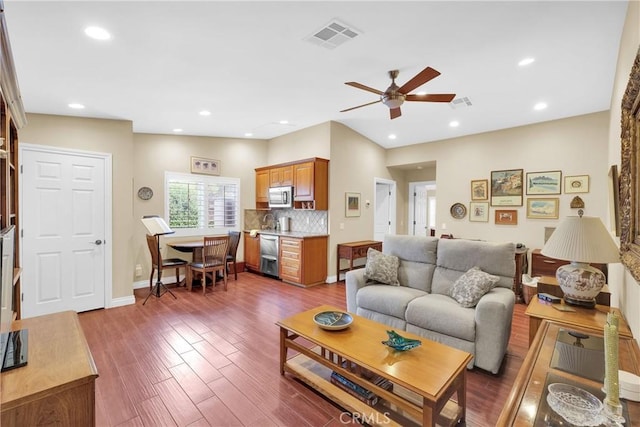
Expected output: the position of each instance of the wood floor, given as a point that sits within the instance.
(213, 360)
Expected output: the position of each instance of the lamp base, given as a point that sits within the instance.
(580, 303)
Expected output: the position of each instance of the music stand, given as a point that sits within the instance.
(157, 227)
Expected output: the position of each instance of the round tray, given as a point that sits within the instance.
(333, 320)
(458, 210)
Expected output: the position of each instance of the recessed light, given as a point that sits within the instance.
(177, 130)
(392, 136)
(422, 92)
(248, 134)
(526, 61)
(284, 122)
(419, 168)
(76, 106)
(205, 113)
(454, 124)
(97, 33)
(540, 106)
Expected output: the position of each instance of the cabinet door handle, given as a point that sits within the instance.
(548, 262)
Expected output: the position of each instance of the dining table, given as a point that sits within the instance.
(190, 246)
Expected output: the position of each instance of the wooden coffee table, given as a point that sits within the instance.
(424, 378)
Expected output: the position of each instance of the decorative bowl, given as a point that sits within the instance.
(400, 343)
(333, 320)
(575, 405)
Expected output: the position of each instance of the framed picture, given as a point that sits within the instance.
(614, 199)
(352, 204)
(576, 184)
(479, 211)
(205, 166)
(506, 188)
(542, 208)
(506, 217)
(547, 182)
(479, 189)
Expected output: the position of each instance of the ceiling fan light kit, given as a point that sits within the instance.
(395, 96)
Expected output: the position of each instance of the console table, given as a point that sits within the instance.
(354, 250)
(526, 404)
(57, 385)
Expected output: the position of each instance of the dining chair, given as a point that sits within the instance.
(214, 259)
(234, 241)
(157, 262)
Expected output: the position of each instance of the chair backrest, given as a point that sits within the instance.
(214, 251)
(234, 241)
(153, 250)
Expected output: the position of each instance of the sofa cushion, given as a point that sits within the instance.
(442, 314)
(417, 259)
(388, 300)
(381, 268)
(471, 286)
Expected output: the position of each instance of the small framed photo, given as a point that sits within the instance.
(542, 208)
(506, 217)
(352, 204)
(506, 187)
(205, 166)
(479, 211)
(479, 189)
(548, 182)
(576, 184)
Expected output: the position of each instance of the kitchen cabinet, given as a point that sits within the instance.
(311, 184)
(303, 262)
(262, 188)
(251, 252)
(281, 176)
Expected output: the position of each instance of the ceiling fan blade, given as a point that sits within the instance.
(436, 97)
(363, 87)
(421, 78)
(363, 105)
(395, 112)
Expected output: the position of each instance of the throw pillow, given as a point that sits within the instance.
(381, 268)
(471, 286)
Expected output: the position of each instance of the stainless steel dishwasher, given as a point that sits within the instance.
(269, 254)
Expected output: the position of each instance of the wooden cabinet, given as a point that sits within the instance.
(57, 385)
(311, 184)
(544, 266)
(251, 252)
(303, 261)
(354, 250)
(262, 188)
(281, 176)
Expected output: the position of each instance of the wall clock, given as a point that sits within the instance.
(145, 193)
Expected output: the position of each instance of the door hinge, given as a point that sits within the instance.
(22, 296)
(389, 222)
(20, 168)
(22, 232)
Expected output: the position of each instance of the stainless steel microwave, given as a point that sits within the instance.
(281, 197)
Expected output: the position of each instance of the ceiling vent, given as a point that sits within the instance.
(332, 35)
(460, 103)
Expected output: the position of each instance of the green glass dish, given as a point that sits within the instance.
(400, 343)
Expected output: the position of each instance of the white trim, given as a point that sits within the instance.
(108, 205)
(122, 301)
(412, 187)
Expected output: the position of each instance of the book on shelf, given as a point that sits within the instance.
(357, 391)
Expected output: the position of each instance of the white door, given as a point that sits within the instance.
(63, 225)
(384, 206)
(421, 213)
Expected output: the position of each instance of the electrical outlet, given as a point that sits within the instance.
(321, 221)
(342, 226)
(307, 220)
(138, 270)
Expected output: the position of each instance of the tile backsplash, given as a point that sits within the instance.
(306, 221)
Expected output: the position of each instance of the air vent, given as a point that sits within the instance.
(460, 103)
(332, 35)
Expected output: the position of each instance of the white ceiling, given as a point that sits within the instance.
(248, 63)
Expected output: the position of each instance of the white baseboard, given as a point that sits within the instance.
(122, 301)
(331, 279)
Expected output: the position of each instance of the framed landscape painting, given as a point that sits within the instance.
(548, 182)
(506, 187)
(542, 208)
(479, 189)
(479, 211)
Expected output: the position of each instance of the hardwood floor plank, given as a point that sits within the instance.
(153, 412)
(175, 399)
(191, 383)
(201, 366)
(217, 414)
(232, 397)
(135, 381)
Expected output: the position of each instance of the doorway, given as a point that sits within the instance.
(385, 208)
(422, 208)
(65, 206)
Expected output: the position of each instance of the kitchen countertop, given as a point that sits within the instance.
(296, 234)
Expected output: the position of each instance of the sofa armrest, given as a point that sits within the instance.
(494, 314)
(354, 280)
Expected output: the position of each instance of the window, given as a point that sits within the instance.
(200, 204)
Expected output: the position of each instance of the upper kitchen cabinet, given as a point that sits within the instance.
(311, 184)
(262, 188)
(281, 176)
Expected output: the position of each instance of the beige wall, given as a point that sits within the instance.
(103, 136)
(303, 144)
(625, 290)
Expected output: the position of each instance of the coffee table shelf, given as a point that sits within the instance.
(424, 379)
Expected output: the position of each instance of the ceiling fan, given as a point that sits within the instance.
(395, 96)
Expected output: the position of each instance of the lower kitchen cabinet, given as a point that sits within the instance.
(252, 252)
(303, 261)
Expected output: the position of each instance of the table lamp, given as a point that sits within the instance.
(581, 240)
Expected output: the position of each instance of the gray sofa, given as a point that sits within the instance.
(422, 304)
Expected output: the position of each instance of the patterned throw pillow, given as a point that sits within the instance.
(471, 286)
(381, 268)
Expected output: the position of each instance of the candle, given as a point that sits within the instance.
(611, 360)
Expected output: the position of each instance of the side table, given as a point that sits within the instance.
(352, 251)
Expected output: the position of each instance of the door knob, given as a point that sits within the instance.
(98, 242)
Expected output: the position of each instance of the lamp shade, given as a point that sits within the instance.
(582, 239)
